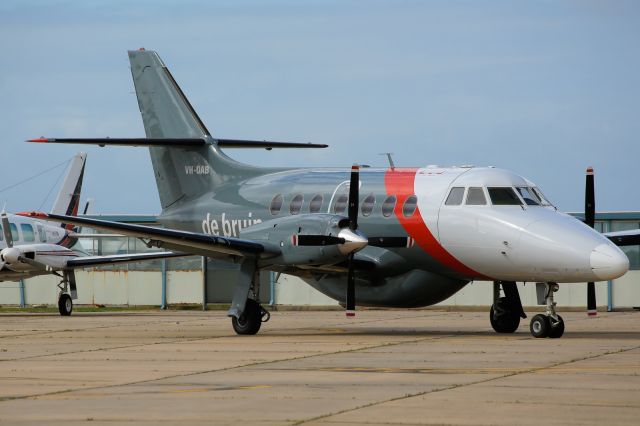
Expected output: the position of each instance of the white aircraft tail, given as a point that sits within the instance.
(68, 199)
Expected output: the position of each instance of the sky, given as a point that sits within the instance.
(543, 88)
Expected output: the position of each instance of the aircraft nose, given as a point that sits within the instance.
(608, 262)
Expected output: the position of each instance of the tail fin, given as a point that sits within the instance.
(181, 173)
(68, 199)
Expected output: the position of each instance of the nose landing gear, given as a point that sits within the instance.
(549, 324)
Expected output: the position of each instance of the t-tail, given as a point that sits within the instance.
(187, 160)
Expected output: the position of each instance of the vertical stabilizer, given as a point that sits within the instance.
(68, 199)
(182, 173)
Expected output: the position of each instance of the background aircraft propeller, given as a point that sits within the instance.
(7, 230)
(589, 219)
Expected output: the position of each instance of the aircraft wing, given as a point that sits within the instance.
(624, 238)
(187, 242)
(82, 262)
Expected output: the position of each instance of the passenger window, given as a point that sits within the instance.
(409, 207)
(504, 197)
(27, 232)
(475, 197)
(14, 231)
(529, 197)
(296, 204)
(316, 204)
(455, 196)
(276, 204)
(341, 204)
(367, 205)
(388, 206)
(41, 234)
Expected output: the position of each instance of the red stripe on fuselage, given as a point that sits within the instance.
(400, 182)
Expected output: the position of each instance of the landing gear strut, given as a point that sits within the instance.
(506, 311)
(549, 324)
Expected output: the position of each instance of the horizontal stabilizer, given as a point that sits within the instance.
(125, 141)
(238, 143)
(178, 142)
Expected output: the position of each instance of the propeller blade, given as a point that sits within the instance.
(354, 196)
(316, 240)
(590, 219)
(6, 229)
(351, 289)
(391, 242)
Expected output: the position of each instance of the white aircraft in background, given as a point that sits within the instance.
(31, 247)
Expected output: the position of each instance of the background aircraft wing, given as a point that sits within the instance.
(87, 261)
(624, 238)
(187, 242)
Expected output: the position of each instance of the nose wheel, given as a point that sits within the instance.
(549, 324)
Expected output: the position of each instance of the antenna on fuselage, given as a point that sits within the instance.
(389, 154)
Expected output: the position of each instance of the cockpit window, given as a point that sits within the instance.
(455, 196)
(529, 197)
(543, 200)
(475, 197)
(504, 197)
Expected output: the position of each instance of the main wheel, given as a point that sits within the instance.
(250, 320)
(540, 326)
(557, 329)
(65, 305)
(502, 319)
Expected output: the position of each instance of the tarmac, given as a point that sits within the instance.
(385, 367)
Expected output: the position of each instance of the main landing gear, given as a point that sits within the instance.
(506, 311)
(67, 293)
(247, 315)
(549, 324)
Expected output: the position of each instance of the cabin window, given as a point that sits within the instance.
(27, 232)
(504, 197)
(409, 207)
(455, 196)
(388, 205)
(475, 197)
(41, 234)
(341, 204)
(367, 205)
(14, 231)
(316, 204)
(296, 204)
(529, 197)
(276, 204)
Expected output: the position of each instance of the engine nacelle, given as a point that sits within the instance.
(280, 234)
(10, 255)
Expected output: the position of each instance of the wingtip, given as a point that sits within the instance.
(41, 139)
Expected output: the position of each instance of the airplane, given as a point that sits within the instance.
(417, 236)
(30, 247)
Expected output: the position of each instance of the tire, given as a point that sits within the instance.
(65, 305)
(251, 319)
(557, 329)
(540, 326)
(505, 321)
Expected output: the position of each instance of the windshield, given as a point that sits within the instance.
(504, 196)
(543, 200)
(529, 197)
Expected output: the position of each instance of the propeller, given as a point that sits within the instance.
(6, 229)
(354, 197)
(589, 219)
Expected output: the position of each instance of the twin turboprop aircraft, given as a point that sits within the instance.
(31, 247)
(396, 237)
